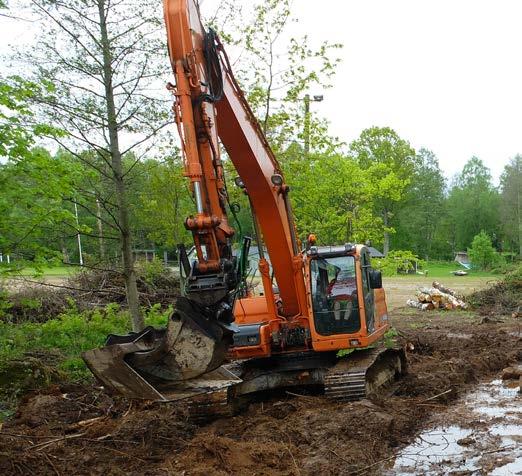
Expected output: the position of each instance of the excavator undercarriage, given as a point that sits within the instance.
(129, 366)
(366, 373)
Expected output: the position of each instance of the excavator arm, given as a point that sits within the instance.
(210, 104)
(209, 107)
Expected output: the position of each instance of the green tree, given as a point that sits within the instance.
(473, 205)
(419, 219)
(511, 204)
(389, 162)
(104, 58)
(31, 182)
(32, 209)
(331, 197)
(162, 202)
(482, 253)
(18, 126)
(276, 70)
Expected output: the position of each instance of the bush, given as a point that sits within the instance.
(152, 272)
(399, 261)
(482, 253)
(69, 334)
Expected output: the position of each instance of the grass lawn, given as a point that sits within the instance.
(442, 269)
(52, 272)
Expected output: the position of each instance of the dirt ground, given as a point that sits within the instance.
(401, 288)
(81, 430)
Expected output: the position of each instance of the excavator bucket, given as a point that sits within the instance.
(180, 361)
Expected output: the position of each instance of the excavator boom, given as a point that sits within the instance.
(208, 105)
(206, 91)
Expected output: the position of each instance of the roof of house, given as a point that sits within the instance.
(375, 253)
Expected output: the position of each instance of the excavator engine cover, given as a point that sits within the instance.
(165, 364)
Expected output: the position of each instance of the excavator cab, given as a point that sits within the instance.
(334, 295)
(345, 290)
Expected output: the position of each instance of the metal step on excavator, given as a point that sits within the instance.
(223, 340)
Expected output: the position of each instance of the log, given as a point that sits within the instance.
(418, 305)
(445, 290)
(423, 297)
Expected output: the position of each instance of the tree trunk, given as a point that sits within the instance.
(65, 253)
(101, 241)
(519, 213)
(129, 272)
(519, 216)
(386, 245)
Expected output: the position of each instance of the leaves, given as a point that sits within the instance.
(511, 206)
(18, 126)
(389, 162)
(482, 253)
(277, 70)
(473, 205)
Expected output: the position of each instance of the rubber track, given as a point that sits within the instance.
(211, 406)
(347, 380)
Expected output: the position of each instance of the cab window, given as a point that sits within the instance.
(334, 295)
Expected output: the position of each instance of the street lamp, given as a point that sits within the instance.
(306, 132)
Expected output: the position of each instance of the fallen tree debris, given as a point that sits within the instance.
(502, 298)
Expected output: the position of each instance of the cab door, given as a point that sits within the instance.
(369, 299)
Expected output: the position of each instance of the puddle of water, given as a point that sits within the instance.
(509, 469)
(497, 400)
(492, 411)
(506, 430)
(436, 451)
(432, 448)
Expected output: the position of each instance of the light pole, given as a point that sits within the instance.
(306, 132)
(78, 235)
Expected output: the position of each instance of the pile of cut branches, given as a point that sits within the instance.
(89, 289)
(98, 287)
(504, 297)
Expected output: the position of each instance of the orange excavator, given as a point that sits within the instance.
(222, 337)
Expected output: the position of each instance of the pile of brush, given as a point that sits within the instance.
(437, 297)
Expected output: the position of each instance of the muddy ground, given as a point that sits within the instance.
(80, 430)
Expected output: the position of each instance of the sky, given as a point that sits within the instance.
(446, 75)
